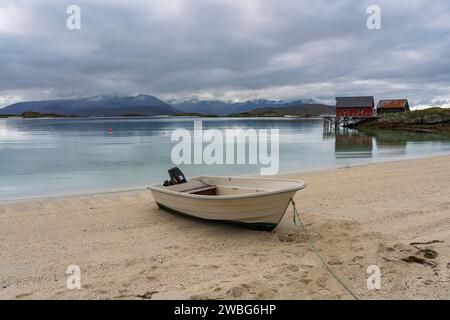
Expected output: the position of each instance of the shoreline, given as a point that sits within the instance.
(431, 120)
(431, 129)
(127, 248)
(145, 187)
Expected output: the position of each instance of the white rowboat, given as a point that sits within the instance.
(258, 203)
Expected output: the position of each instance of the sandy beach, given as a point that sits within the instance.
(129, 249)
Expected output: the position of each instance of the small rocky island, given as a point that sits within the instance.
(432, 120)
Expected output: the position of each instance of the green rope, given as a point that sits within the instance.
(313, 246)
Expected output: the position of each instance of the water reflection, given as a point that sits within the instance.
(391, 142)
(351, 143)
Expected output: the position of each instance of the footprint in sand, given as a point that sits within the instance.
(292, 267)
(292, 237)
(103, 291)
(199, 297)
(305, 281)
(239, 290)
(236, 292)
(147, 295)
(123, 296)
(335, 262)
(321, 282)
(131, 263)
(23, 295)
(263, 259)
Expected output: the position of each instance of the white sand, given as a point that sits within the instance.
(127, 248)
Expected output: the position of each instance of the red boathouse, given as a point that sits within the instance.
(355, 106)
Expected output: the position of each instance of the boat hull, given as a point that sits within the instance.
(261, 226)
(244, 201)
(261, 213)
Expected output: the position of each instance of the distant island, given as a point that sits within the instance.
(432, 120)
(227, 108)
(300, 110)
(32, 114)
(98, 106)
(195, 114)
(146, 105)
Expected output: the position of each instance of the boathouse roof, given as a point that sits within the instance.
(393, 104)
(354, 102)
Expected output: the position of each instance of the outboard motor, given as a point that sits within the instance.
(176, 177)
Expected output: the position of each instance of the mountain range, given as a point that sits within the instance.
(146, 105)
(221, 108)
(308, 109)
(98, 106)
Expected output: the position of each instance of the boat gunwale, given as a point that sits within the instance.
(300, 185)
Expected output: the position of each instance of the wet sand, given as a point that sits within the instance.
(129, 249)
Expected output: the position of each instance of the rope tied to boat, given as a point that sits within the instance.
(316, 251)
(295, 215)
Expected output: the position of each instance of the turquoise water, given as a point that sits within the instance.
(62, 156)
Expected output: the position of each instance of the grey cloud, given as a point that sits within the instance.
(225, 49)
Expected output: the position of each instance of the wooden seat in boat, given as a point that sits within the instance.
(194, 187)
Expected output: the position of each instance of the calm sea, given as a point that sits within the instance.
(40, 157)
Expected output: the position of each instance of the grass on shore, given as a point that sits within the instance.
(428, 120)
(426, 116)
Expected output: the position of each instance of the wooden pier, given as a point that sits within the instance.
(335, 122)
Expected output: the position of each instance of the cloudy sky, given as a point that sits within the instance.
(225, 49)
